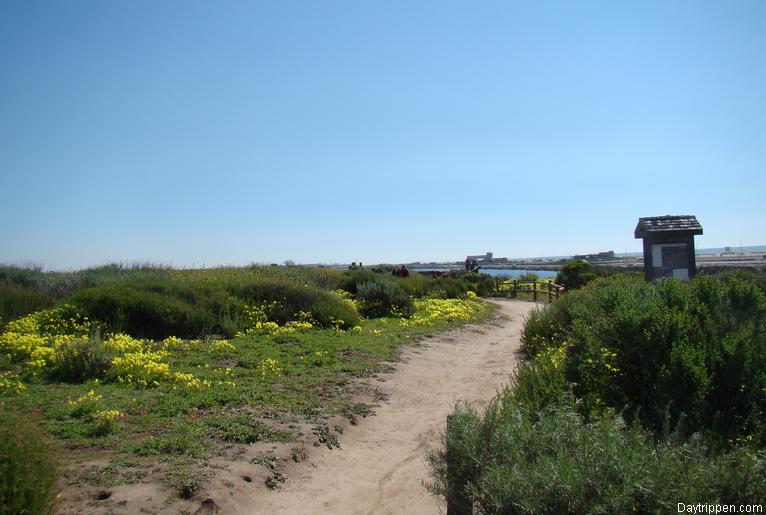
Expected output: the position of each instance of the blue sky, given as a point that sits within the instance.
(193, 133)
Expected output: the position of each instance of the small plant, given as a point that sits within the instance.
(243, 427)
(103, 422)
(181, 438)
(185, 478)
(270, 369)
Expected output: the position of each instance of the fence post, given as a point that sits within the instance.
(534, 291)
(515, 286)
(550, 293)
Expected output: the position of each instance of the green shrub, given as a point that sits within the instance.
(451, 287)
(481, 284)
(17, 301)
(383, 298)
(695, 351)
(27, 277)
(539, 383)
(79, 360)
(577, 273)
(28, 466)
(507, 460)
(353, 278)
(143, 309)
(291, 298)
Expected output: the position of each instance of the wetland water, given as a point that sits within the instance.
(500, 272)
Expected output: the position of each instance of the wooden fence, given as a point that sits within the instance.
(539, 290)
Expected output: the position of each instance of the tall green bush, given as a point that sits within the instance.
(577, 273)
(694, 350)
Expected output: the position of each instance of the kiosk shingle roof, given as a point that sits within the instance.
(667, 224)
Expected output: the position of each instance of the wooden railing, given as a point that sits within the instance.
(538, 289)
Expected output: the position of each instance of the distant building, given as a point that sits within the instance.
(601, 256)
(483, 257)
(487, 259)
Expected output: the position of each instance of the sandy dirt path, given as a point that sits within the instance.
(381, 466)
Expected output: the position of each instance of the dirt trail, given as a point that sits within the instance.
(381, 467)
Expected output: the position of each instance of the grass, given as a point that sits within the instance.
(28, 466)
(279, 385)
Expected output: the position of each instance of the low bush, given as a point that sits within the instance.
(81, 359)
(353, 278)
(481, 284)
(291, 298)
(191, 305)
(144, 309)
(28, 466)
(383, 298)
(508, 460)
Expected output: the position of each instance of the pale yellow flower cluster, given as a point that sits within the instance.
(429, 311)
(346, 298)
(259, 323)
(270, 369)
(36, 340)
(9, 383)
(556, 356)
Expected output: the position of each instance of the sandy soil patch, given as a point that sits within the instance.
(380, 467)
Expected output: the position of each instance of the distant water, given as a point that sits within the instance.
(713, 250)
(733, 248)
(496, 272)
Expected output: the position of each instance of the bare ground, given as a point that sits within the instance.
(381, 466)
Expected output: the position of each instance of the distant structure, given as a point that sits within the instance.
(481, 257)
(668, 246)
(486, 259)
(601, 256)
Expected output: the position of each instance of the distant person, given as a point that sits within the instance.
(403, 272)
(467, 265)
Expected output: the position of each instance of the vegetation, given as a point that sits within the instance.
(28, 466)
(125, 365)
(637, 396)
(383, 298)
(577, 273)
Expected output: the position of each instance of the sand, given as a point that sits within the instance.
(381, 466)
